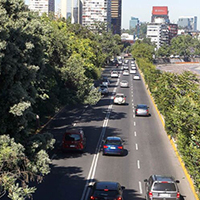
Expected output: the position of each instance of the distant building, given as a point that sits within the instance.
(125, 37)
(160, 12)
(133, 23)
(173, 31)
(158, 34)
(41, 6)
(116, 10)
(188, 22)
(51, 6)
(71, 9)
(94, 11)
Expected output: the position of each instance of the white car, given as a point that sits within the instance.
(133, 71)
(134, 67)
(114, 74)
(124, 84)
(132, 62)
(125, 67)
(125, 72)
(119, 98)
(136, 77)
(126, 61)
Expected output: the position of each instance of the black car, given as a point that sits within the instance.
(159, 187)
(106, 190)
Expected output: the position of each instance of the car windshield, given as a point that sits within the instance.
(103, 87)
(142, 106)
(72, 137)
(102, 193)
(164, 187)
(119, 96)
(114, 142)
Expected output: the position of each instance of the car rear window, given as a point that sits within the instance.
(164, 187)
(109, 193)
(72, 137)
(114, 142)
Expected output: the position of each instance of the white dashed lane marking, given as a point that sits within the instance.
(138, 164)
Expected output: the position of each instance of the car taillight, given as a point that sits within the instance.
(106, 190)
(92, 197)
(120, 147)
(105, 146)
(119, 198)
(178, 195)
(150, 194)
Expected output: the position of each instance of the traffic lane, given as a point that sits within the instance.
(121, 168)
(70, 170)
(157, 153)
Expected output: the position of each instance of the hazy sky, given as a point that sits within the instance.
(142, 9)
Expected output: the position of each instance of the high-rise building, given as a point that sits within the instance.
(160, 12)
(158, 33)
(188, 23)
(133, 23)
(71, 9)
(51, 6)
(116, 12)
(41, 6)
(94, 11)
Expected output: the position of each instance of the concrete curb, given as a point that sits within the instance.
(171, 140)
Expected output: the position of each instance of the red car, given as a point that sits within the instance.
(74, 140)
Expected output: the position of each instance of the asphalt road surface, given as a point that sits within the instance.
(148, 150)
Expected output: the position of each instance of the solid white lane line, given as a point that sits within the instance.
(136, 146)
(135, 133)
(138, 164)
(140, 187)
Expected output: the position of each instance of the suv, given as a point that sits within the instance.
(159, 187)
(74, 140)
(106, 190)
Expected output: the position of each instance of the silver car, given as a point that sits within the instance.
(142, 110)
(119, 98)
(124, 84)
(160, 187)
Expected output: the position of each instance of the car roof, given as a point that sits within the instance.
(124, 81)
(78, 131)
(163, 178)
(142, 105)
(120, 94)
(106, 184)
(113, 138)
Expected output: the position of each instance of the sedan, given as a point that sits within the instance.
(119, 98)
(142, 110)
(103, 89)
(125, 67)
(114, 74)
(113, 146)
(133, 67)
(136, 77)
(125, 72)
(133, 71)
(106, 190)
(124, 84)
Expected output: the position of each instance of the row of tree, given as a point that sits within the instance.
(177, 98)
(44, 64)
(184, 46)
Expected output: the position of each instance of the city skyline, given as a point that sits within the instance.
(143, 9)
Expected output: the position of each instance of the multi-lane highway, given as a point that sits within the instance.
(148, 150)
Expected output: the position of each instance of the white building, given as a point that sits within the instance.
(158, 33)
(96, 11)
(41, 6)
(71, 9)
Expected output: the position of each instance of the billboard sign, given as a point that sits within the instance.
(160, 10)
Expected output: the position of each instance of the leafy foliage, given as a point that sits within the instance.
(177, 97)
